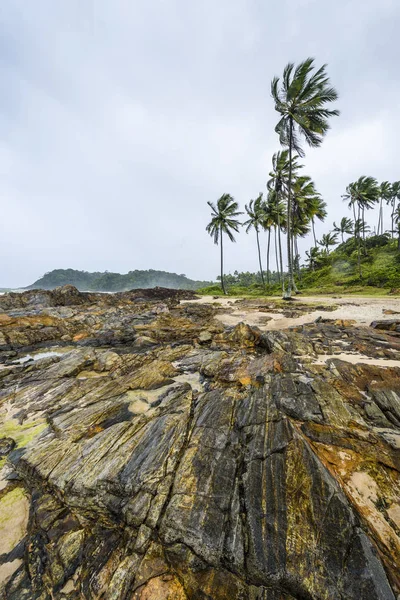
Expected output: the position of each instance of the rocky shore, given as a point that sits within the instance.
(152, 448)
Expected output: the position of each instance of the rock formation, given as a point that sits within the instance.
(150, 453)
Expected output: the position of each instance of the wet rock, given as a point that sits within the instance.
(6, 445)
(151, 466)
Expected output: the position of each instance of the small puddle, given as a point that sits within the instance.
(39, 355)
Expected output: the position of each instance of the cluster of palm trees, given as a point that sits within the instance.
(301, 98)
(366, 193)
(292, 204)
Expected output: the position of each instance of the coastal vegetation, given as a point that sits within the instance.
(292, 205)
(336, 272)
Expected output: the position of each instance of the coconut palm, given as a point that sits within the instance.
(363, 193)
(301, 100)
(223, 220)
(307, 203)
(345, 226)
(328, 239)
(313, 255)
(360, 227)
(256, 220)
(385, 193)
(317, 210)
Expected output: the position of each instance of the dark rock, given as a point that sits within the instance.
(6, 445)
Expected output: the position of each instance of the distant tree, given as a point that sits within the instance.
(363, 194)
(313, 255)
(223, 221)
(256, 220)
(361, 228)
(345, 226)
(301, 99)
(328, 239)
(317, 210)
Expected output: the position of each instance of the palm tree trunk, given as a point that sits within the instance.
(313, 230)
(354, 213)
(380, 215)
(268, 246)
(294, 286)
(392, 215)
(363, 222)
(342, 237)
(298, 258)
(222, 265)
(276, 252)
(259, 258)
(359, 246)
(288, 294)
(282, 279)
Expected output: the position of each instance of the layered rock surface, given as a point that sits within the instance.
(149, 452)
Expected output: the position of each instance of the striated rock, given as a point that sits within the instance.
(153, 454)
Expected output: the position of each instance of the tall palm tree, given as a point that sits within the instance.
(317, 210)
(223, 220)
(363, 193)
(302, 101)
(345, 226)
(328, 239)
(256, 214)
(307, 203)
(385, 193)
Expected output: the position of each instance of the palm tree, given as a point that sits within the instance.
(223, 221)
(301, 101)
(345, 226)
(313, 255)
(328, 239)
(255, 212)
(317, 210)
(307, 203)
(364, 193)
(360, 227)
(385, 193)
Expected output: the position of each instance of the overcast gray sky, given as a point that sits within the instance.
(119, 119)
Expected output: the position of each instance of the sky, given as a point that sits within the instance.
(120, 119)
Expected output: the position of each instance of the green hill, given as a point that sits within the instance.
(115, 282)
